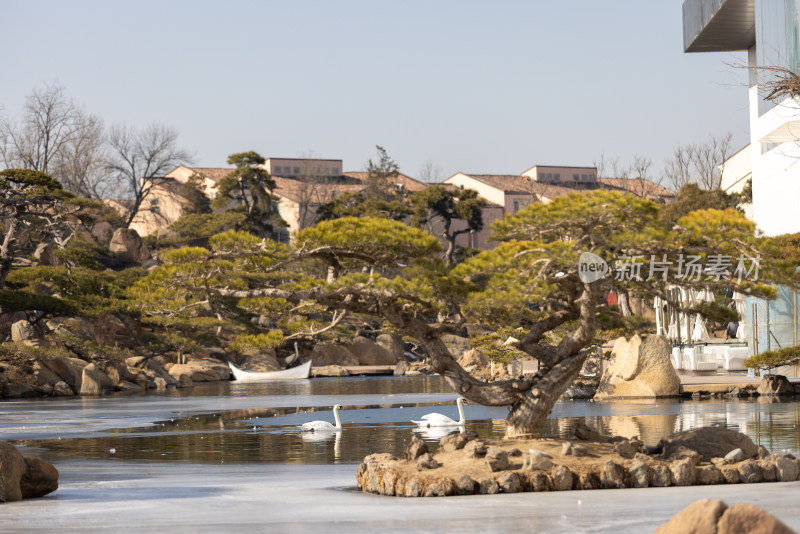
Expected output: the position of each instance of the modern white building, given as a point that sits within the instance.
(769, 30)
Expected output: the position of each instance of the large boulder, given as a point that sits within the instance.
(775, 385)
(45, 253)
(639, 369)
(369, 353)
(12, 468)
(260, 360)
(39, 479)
(393, 345)
(325, 354)
(709, 442)
(7, 319)
(70, 370)
(94, 381)
(202, 370)
(23, 331)
(714, 517)
(102, 232)
(129, 246)
(473, 360)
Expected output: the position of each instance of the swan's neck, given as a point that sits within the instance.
(336, 417)
(461, 419)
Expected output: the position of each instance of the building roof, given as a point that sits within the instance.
(522, 185)
(643, 188)
(408, 182)
(318, 192)
(215, 174)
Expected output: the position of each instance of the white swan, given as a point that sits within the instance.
(437, 419)
(324, 426)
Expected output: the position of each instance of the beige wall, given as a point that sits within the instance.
(565, 174)
(303, 167)
(182, 175)
(160, 209)
(486, 191)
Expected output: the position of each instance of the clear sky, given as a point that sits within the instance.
(481, 87)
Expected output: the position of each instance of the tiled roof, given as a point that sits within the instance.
(516, 184)
(408, 182)
(215, 174)
(318, 192)
(638, 187)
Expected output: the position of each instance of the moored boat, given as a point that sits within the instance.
(302, 371)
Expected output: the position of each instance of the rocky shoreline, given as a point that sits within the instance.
(464, 465)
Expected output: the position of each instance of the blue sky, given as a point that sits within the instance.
(473, 86)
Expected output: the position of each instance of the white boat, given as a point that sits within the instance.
(300, 372)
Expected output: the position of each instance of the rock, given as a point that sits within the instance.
(509, 482)
(588, 481)
(102, 232)
(465, 485)
(23, 331)
(700, 517)
(473, 360)
(571, 449)
(330, 370)
(62, 389)
(17, 391)
(426, 461)
(118, 372)
(415, 449)
(94, 381)
(70, 370)
(769, 473)
(762, 452)
(185, 381)
(497, 459)
(129, 246)
(709, 442)
(628, 448)
(45, 253)
(260, 360)
(640, 474)
(639, 369)
(40, 478)
(456, 344)
(684, 472)
(562, 478)
(159, 383)
(453, 442)
(661, 476)
(582, 388)
(367, 352)
(749, 472)
(197, 370)
(325, 354)
(514, 452)
(709, 474)
(537, 460)
(743, 517)
(12, 469)
(612, 475)
(584, 432)
(787, 469)
(393, 344)
(736, 455)
(775, 385)
(488, 486)
(730, 474)
(475, 449)
(539, 481)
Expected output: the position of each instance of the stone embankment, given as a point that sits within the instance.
(465, 465)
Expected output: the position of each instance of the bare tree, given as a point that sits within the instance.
(642, 182)
(707, 158)
(139, 158)
(677, 170)
(430, 172)
(80, 165)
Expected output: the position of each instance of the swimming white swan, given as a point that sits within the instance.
(324, 426)
(437, 419)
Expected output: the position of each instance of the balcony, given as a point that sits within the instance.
(718, 25)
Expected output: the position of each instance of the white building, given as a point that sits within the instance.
(769, 30)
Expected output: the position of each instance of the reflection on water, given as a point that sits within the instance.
(380, 422)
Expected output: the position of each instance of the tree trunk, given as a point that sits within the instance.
(6, 257)
(624, 306)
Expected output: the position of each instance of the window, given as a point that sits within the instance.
(297, 170)
(584, 177)
(557, 177)
(281, 236)
(577, 178)
(155, 205)
(277, 169)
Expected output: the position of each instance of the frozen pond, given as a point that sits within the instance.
(230, 455)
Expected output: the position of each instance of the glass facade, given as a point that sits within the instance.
(778, 39)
